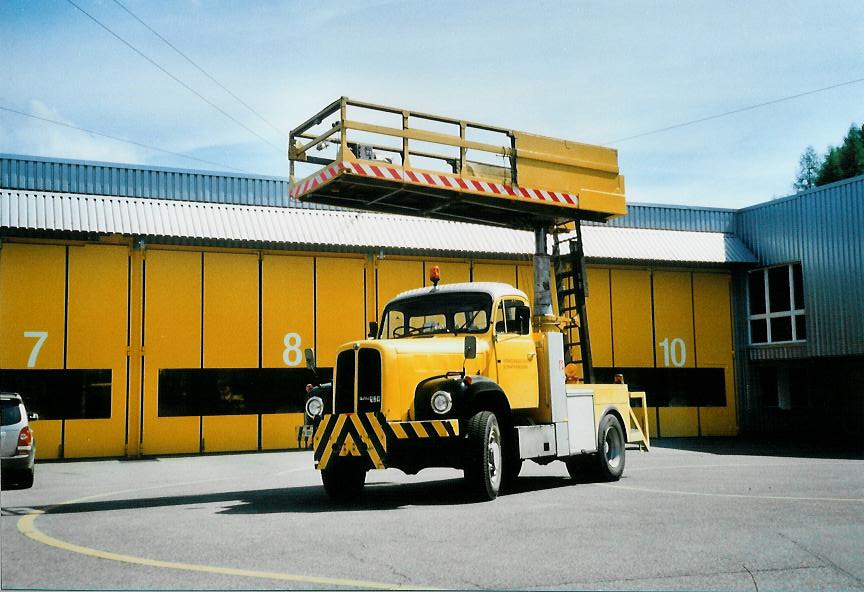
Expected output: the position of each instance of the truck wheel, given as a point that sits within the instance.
(610, 449)
(484, 467)
(344, 479)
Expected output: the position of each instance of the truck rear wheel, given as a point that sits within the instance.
(344, 479)
(484, 467)
(610, 449)
(607, 464)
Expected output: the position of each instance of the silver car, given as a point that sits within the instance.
(17, 444)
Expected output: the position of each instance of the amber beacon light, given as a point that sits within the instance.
(435, 275)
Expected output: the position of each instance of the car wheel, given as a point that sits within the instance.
(26, 479)
(344, 479)
(484, 467)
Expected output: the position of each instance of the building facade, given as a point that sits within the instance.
(157, 311)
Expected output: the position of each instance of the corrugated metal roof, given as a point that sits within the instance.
(337, 230)
(664, 245)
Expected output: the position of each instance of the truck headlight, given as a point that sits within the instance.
(314, 406)
(442, 402)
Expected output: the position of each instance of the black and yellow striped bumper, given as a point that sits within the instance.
(371, 435)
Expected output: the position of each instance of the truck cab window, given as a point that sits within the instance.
(512, 317)
(437, 313)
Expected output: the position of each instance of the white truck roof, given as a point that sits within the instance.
(493, 289)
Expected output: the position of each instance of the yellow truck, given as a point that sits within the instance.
(467, 375)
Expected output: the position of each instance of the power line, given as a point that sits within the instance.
(119, 139)
(734, 111)
(202, 70)
(281, 150)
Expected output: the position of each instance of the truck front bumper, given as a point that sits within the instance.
(371, 436)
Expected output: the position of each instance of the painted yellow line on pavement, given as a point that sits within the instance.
(734, 495)
(27, 527)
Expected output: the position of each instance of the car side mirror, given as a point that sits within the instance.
(373, 329)
(310, 359)
(470, 347)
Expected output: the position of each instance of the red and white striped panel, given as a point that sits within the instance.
(382, 171)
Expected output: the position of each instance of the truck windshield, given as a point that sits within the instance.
(449, 312)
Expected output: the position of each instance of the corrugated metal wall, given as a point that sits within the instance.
(662, 217)
(823, 229)
(74, 176)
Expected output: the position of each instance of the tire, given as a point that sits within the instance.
(610, 449)
(344, 479)
(607, 464)
(484, 456)
(26, 480)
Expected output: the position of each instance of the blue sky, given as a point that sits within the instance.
(587, 71)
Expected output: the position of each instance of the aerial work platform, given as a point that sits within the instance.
(397, 161)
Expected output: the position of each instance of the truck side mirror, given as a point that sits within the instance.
(310, 359)
(470, 347)
(373, 329)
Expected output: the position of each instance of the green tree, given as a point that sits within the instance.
(844, 161)
(808, 170)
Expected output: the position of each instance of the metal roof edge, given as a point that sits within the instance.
(803, 194)
(143, 167)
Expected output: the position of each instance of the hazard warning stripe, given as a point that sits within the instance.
(378, 449)
(381, 171)
(367, 434)
(322, 436)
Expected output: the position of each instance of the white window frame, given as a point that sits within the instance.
(792, 313)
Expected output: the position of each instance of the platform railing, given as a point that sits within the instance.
(302, 140)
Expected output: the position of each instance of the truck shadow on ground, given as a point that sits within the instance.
(309, 498)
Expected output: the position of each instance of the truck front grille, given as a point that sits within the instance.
(368, 363)
(368, 380)
(343, 383)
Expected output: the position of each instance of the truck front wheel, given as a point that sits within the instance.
(484, 467)
(344, 479)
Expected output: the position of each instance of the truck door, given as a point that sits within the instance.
(515, 354)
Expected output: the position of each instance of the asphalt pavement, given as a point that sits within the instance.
(706, 515)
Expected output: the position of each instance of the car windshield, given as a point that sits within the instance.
(436, 312)
(10, 412)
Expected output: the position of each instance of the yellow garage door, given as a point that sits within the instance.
(452, 272)
(674, 346)
(495, 272)
(340, 297)
(230, 341)
(172, 339)
(599, 308)
(287, 313)
(713, 325)
(631, 318)
(395, 276)
(32, 336)
(98, 321)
